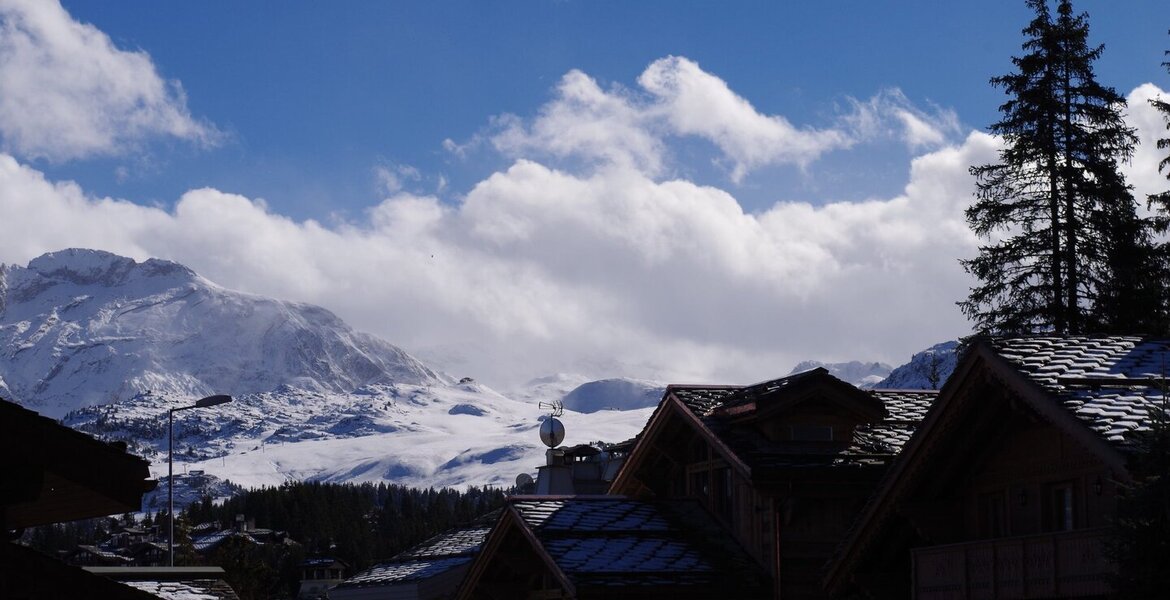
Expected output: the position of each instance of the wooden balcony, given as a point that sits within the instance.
(1068, 564)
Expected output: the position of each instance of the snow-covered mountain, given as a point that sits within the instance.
(927, 370)
(85, 327)
(112, 344)
(860, 374)
(614, 394)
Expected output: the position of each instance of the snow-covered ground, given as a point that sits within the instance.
(425, 435)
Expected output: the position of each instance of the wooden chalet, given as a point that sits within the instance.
(1008, 487)
(609, 547)
(53, 474)
(783, 466)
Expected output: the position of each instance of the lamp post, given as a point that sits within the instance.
(201, 403)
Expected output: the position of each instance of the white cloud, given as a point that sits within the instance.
(634, 129)
(584, 121)
(68, 93)
(890, 114)
(695, 102)
(548, 270)
(1151, 125)
(602, 264)
(391, 179)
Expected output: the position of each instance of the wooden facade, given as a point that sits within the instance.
(784, 466)
(1009, 487)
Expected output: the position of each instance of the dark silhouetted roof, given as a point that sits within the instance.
(872, 443)
(1109, 382)
(618, 541)
(436, 555)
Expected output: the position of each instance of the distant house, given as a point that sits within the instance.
(609, 547)
(320, 574)
(783, 465)
(1009, 486)
(207, 540)
(93, 556)
(431, 570)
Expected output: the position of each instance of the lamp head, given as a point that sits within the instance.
(213, 400)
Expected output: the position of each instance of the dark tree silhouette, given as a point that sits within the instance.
(1065, 249)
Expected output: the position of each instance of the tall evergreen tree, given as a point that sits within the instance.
(1163, 199)
(1065, 243)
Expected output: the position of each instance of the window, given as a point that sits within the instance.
(811, 433)
(722, 493)
(1060, 506)
(993, 515)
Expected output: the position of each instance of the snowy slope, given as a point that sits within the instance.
(112, 344)
(927, 370)
(424, 435)
(85, 327)
(860, 374)
(614, 394)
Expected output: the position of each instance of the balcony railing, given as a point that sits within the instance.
(1067, 564)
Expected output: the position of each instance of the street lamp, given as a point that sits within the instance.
(201, 403)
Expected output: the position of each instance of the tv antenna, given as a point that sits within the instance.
(552, 431)
(556, 408)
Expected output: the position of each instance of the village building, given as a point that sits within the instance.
(54, 474)
(318, 575)
(1009, 488)
(609, 547)
(783, 465)
(770, 475)
(431, 570)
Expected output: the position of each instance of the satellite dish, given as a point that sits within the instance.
(552, 432)
(524, 480)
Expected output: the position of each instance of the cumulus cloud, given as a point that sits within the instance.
(546, 268)
(585, 121)
(678, 99)
(1151, 126)
(695, 102)
(69, 93)
(603, 266)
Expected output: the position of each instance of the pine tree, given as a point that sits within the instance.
(1163, 199)
(1073, 247)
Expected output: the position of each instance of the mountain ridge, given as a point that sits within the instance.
(87, 327)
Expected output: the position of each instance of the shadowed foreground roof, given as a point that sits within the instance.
(1109, 382)
(436, 555)
(615, 543)
(873, 443)
(54, 474)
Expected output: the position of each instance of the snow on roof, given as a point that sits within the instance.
(436, 555)
(1109, 382)
(871, 443)
(174, 590)
(614, 540)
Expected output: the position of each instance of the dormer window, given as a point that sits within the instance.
(811, 433)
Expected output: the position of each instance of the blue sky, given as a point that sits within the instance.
(727, 187)
(314, 96)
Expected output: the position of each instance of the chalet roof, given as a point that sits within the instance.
(436, 555)
(620, 542)
(56, 474)
(172, 583)
(872, 443)
(1109, 382)
(1096, 389)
